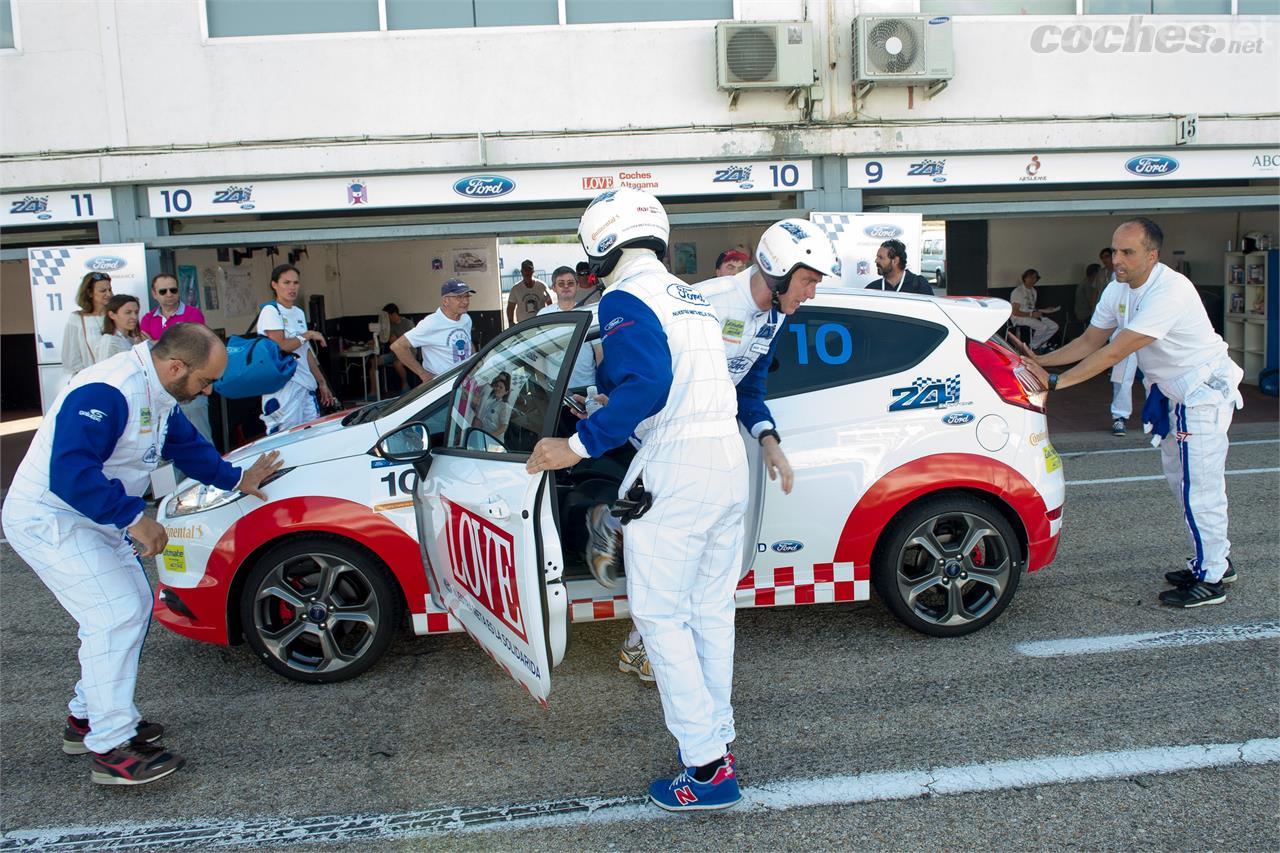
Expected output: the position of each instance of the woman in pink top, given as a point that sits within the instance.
(170, 310)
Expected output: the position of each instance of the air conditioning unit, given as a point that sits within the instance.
(902, 50)
(765, 55)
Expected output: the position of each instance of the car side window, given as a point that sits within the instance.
(825, 347)
(502, 402)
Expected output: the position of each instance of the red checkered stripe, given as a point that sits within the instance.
(820, 583)
(598, 609)
(435, 621)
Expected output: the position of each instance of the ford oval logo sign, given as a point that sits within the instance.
(105, 263)
(882, 232)
(685, 293)
(957, 418)
(483, 186)
(1152, 166)
(787, 546)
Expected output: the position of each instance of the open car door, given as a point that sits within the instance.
(487, 527)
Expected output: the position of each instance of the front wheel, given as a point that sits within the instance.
(319, 610)
(949, 566)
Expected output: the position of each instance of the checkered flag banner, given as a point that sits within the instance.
(46, 264)
(833, 224)
(951, 391)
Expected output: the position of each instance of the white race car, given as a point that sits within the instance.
(922, 466)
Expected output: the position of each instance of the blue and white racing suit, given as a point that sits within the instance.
(665, 374)
(750, 337)
(78, 489)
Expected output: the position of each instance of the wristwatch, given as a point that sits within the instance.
(1053, 381)
(772, 432)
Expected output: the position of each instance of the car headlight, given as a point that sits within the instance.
(199, 497)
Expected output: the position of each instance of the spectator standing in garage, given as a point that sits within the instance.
(664, 372)
(528, 296)
(1155, 313)
(286, 324)
(588, 291)
(752, 307)
(564, 281)
(75, 514)
(170, 310)
(443, 338)
(84, 327)
(730, 262)
(891, 263)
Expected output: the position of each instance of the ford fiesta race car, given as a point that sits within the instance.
(922, 467)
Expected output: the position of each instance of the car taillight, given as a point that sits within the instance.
(1005, 372)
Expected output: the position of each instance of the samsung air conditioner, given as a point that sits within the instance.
(765, 55)
(902, 50)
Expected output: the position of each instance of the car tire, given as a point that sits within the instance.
(319, 609)
(948, 566)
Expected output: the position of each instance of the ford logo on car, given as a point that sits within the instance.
(105, 263)
(957, 418)
(483, 186)
(1152, 165)
(787, 546)
(882, 232)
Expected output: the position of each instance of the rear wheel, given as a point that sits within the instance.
(949, 566)
(319, 610)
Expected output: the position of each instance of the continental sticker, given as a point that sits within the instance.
(1052, 461)
(175, 559)
(732, 331)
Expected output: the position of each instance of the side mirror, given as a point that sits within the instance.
(407, 443)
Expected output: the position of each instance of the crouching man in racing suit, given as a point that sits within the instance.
(792, 258)
(75, 514)
(665, 375)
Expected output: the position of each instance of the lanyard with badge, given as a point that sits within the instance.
(163, 478)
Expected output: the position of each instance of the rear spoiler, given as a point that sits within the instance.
(979, 317)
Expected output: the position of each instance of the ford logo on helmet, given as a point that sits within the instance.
(882, 232)
(787, 546)
(957, 418)
(605, 244)
(105, 263)
(483, 186)
(1151, 165)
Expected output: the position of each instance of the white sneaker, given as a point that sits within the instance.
(635, 659)
(604, 545)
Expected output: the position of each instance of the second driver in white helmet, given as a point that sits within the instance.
(664, 372)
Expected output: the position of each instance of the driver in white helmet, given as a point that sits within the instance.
(792, 258)
(665, 374)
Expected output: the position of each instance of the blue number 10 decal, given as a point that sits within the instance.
(822, 343)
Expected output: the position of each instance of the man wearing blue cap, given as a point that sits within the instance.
(444, 338)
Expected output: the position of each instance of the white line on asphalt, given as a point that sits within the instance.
(1148, 449)
(772, 796)
(1153, 640)
(1161, 477)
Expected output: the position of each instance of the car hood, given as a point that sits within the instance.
(317, 441)
(979, 317)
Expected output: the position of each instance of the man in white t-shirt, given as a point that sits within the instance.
(1156, 313)
(565, 283)
(443, 338)
(528, 296)
(1025, 313)
(285, 323)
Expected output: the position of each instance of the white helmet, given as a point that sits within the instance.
(792, 243)
(621, 219)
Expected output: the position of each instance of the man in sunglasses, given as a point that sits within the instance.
(169, 311)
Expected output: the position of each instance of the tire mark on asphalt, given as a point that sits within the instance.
(1161, 477)
(1149, 640)
(1072, 453)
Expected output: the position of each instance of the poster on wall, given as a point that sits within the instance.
(472, 259)
(237, 290)
(857, 236)
(56, 274)
(684, 259)
(210, 289)
(189, 286)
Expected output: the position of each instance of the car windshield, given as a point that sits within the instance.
(391, 405)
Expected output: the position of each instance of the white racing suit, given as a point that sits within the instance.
(1201, 404)
(77, 490)
(1122, 376)
(295, 403)
(665, 373)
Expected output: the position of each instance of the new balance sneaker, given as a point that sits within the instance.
(1187, 577)
(1117, 427)
(133, 763)
(685, 793)
(77, 728)
(1196, 595)
(635, 659)
(604, 545)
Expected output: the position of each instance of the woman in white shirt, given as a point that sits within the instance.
(286, 324)
(119, 327)
(494, 412)
(84, 327)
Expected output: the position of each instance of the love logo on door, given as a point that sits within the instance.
(483, 560)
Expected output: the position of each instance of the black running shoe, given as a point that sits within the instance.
(77, 728)
(1196, 595)
(1187, 577)
(133, 763)
(1117, 427)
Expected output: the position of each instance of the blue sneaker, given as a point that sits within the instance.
(684, 793)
